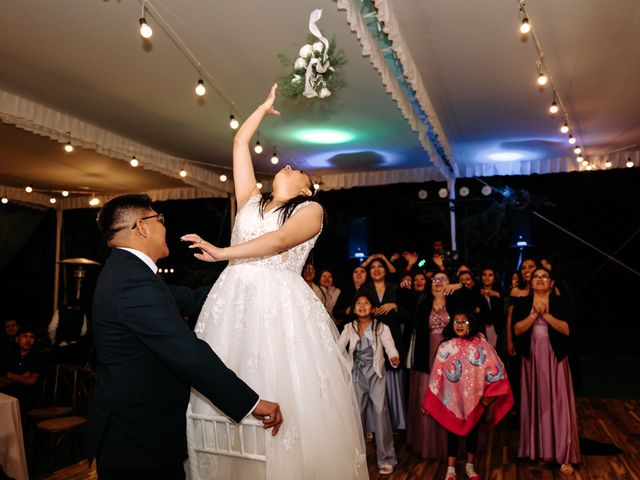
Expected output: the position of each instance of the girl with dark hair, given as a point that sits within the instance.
(467, 377)
(522, 290)
(385, 297)
(342, 310)
(541, 326)
(268, 326)
(367, 340)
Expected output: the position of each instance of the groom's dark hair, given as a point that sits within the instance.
(115, 211)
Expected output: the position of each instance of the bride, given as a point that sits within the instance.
(268, 326)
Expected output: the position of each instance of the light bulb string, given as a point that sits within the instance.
(542, 68)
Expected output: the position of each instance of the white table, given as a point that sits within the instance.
(12, 457)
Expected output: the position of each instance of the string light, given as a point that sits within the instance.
(571, 139)
(94, 201)
(589, 167)
(258, 148)
(316, 186)
(542, 79)
(577, 150)
(28, 189)
(525, 26)
(565, 127)
(579, 158)
(553, 108)
(486, 190)
(233, 123)
(68, 147)
(464, 191)
(145, 30)
(443, 192)
(259, 185)
(134, 162)
(200, 88)
(223, 178)
(4, 200)
(629, 163)
(53, 200)
(607, 164)
(65, 193)
(183, 172)
(274, 158)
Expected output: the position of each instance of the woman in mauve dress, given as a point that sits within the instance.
(548, 426)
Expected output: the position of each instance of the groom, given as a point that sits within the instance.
(147, 357)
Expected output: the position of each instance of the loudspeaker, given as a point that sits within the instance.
(519, 221)
(357, 238)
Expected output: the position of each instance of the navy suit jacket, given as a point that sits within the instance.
(148, 359)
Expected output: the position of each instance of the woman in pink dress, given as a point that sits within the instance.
(548, 426)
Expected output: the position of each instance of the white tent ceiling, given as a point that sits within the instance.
(85, 65)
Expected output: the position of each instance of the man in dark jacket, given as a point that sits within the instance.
(148, 359)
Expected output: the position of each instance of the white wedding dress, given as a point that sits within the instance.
(269, 327)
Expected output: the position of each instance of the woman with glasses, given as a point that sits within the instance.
(424, 434)
(548, 426)
(268, 326)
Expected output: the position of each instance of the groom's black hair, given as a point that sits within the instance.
(114, 213)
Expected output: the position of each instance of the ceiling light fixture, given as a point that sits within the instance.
(629, 163)
(134, 162)
(183, 172)
(525, 26)
(571, 139)
(94, 201)
(53, 200)
(553, 108)
(542, 79)
(145, 29)
(223, 178)
(607, 164)
(579, 158)
(565, 127)
(28, 189)
(5, 200)
(258, 148)
(65, 193)
(233, 123)
(577, 150)
(274, 158)
(259, 185)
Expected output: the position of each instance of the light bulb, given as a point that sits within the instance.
(5, 200)
(464, 191)
(525, 27)
(171, 270)
(94, 201)
(607, 164)
(443, 192)
(585, 162)
(52, 200)
(589, 167)
(577, 150)
(183, 173)
(68, 147)
(316, 186)
(571, 139)
(565, 128)
(28, 189)
(233, 123)
(65, 193)
(553, 108)
(200, 88)
(223, 178)
(542, 79)
(629, 163)
(579, 158)
(134, 162)
(145, 30)
(258, 148)
(486, 190)
(275, 159)
(259, 185)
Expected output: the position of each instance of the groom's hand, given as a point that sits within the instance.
(269, 413)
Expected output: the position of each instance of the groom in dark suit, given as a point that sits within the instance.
(148, 359)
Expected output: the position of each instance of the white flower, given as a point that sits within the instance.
(296, 79)
(300, 63)
(306, 51)
(324, 93)
(310, 94)
(318, 47)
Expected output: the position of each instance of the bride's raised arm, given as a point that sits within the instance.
(244, 178)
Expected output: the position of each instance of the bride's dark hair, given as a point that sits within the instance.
(287, 208)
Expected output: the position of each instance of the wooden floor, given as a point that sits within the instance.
(609, 421)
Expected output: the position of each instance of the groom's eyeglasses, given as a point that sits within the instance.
(159, 216)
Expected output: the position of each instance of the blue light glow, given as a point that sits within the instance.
(323, 136)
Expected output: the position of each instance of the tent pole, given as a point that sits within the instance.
(56, 278)
(451, 186)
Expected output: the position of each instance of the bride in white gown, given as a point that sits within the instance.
(268, 326)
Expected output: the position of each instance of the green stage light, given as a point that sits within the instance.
(323, 135)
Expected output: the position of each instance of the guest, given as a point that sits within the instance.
(384, 294)
(391, 269)
(330, 291)
(491, 312)
(309, 274)
(342, 310)
(548, 426)
(424, 434)
(522, 290)
(468, 377)
(367, 340)
(24, 369)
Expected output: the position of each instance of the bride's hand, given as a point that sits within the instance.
(209, 252)
(271, 98)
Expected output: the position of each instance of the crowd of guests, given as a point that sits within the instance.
(417, 313)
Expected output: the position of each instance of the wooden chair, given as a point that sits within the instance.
(54, 430)
(53, 400)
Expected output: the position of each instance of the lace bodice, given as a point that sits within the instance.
(249, 225)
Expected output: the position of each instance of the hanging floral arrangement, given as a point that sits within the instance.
(317, 69)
